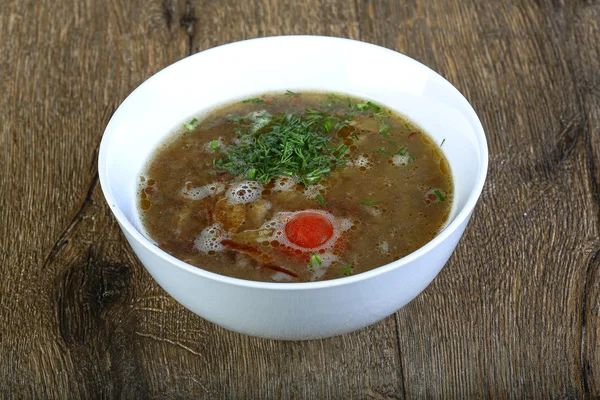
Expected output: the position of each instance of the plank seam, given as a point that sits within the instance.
(189, 22)
(402, 377)
(586, 366)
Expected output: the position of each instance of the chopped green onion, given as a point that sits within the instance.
(374, 106)
(295, 144)
(214, 145)
(191, 125)
(251, 173)
(299, 144)
(385, 130)
(370, 202)
(254, 100)
(439, 195)
(321, 199)
(314, 260)
(347, 270)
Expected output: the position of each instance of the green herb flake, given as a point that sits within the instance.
(332, 100)
(347, 270)
(214, 145)
(384, 130)
(251, 173)
(411, 159)
(321, 199)
(254, 100)
(407, 127)
(290, 93)
(314, 260)
(403, 151)
(370, 202)
(374, 106)
(442, 142)
(439, 195)
(191, 125)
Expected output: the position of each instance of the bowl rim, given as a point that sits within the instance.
(448, 230)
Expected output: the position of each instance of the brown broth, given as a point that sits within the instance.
(403, 212)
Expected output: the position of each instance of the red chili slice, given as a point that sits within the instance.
(309, 230)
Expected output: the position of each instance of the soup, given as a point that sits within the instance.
(295, 187)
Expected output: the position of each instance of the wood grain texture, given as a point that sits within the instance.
(515, 313)
(512, 309)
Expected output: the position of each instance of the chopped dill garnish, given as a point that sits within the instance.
(321, 199)
(439, 195)
(370, 202)
(347, 270)
(301, 145)
(314, 260)
(376, 111)
(191, 125)
(254, 100)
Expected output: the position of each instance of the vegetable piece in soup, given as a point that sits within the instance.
(295, 187)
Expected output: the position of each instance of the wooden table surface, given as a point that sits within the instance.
(514, 314)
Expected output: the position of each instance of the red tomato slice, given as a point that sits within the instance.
(309, 230)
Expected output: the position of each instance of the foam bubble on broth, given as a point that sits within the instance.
(281, 277)
(383, 247)
(199, 193)
(244, 192)
(210, 239)
(399, 160)
(374, 211)
(313, 190)
(363, 162)
(283, 184)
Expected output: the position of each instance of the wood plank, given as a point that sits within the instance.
(583, 26)
(229, 21)
(65, 319)
(504, 318)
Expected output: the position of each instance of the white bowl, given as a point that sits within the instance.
(298, 63)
